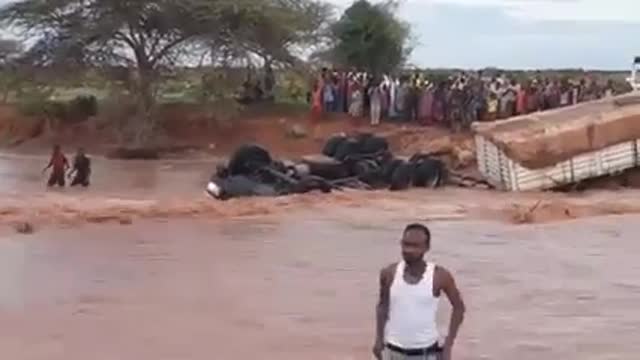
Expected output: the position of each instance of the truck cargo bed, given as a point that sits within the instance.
(559, 147)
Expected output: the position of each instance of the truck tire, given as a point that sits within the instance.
(331, 146)
(374, 145)
(425, 173)
(326, 167)
(363, 167)
(347, 148)
(389, 168)
(312, 183)
(371, 173)
(401, 178)
(247, 159)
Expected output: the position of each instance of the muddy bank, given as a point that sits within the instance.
(190, 133)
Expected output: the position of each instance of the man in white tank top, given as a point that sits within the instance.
(406, 312)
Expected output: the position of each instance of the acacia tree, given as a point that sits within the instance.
(148, 36)
(10, 76)
(273, 28)
(142, 35)
(370, 37)
(9, 50)
(270, 32)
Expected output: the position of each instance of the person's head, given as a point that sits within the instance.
(80, 151)
(416, 241)
(56, 148)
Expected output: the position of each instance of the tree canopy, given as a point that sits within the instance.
(271, 29)
(370, 37)
(145, 37)
(148, 36)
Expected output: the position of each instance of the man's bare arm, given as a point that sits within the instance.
(449, 287)
(50, 164)
(382, 309)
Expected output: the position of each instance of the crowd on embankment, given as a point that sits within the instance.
(453, 101)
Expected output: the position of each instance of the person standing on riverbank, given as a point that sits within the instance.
(59, 165)
(408, 301)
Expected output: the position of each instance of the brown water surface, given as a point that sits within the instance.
(304, 286)
(295, 278)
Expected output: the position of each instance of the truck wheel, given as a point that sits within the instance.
(443, 176)
(311, 183)
(426, 173)
(389, 168)
(364, 167)
(401, 178)
(331, 146)
(247, 159)
(346, 148)
(374, 144)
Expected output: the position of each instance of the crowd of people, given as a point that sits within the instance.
(455, 101)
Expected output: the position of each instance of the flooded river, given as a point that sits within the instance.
(297, 283)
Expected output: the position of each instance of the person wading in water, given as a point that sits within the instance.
(409, 293)
(59, 165)
(81, 169)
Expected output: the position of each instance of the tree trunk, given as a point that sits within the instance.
(269, 79)
(143, 126)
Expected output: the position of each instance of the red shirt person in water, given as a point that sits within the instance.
(59, 165)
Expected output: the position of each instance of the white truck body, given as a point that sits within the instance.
(505, 174)
(606, 131)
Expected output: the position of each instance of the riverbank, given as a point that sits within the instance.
(188, 133)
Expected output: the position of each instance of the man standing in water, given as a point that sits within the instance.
(81, 169)
(409, 293)
(59, 164)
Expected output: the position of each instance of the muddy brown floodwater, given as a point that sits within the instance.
(298, 283)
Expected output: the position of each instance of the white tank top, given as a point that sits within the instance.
(412, 311)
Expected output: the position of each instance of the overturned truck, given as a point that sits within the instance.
(560, 147)
(363, 161)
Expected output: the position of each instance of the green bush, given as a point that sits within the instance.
(76, 110)
(291, 88)
(83, 107)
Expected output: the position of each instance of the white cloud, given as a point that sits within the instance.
(532, 10)
(569, 10)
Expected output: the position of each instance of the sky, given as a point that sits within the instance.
(540, 34)
(521, 34)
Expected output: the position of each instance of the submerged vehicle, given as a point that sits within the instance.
(363, 162)
(561, 147)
